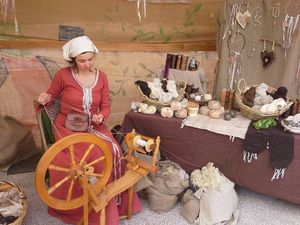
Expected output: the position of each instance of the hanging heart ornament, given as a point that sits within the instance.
(243, 18)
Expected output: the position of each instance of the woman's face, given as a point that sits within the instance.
(85, 61)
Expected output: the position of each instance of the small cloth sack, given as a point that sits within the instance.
(77, 121)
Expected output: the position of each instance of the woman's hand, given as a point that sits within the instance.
(97, 118)
(44, 98)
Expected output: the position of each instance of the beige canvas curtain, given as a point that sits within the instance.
(113, 20)
(266, 22)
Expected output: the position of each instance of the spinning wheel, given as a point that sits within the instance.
(78, 171)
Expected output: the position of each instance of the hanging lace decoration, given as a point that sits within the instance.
(138, 4)
(5, 6)
(235, 43)
(288, 27)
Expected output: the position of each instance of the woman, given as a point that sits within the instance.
(82, 88)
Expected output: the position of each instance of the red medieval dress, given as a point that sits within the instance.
(75, 97)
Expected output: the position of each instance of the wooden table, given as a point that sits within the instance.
(193, 148)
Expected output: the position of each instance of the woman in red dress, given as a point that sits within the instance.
(82, 88)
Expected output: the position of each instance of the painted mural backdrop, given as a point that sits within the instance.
(113, 20)
(24, 74)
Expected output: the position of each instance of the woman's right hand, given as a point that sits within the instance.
(44, 98)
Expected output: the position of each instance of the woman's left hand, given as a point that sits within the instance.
(97, 118)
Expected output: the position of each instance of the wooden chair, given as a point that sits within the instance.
(44, 122)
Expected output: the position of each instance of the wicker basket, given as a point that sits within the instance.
(4, 186)
(180, 90)
(249, 112)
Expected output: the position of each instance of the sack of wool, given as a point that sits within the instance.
(218, 206)
(190, 206)
(160, 202)
(169, 179)
(217, 196)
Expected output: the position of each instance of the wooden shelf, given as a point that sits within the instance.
(205, 45)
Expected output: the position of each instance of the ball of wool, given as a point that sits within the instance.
(214, 105)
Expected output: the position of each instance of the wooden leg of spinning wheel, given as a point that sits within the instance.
(130, 198)
(102, 216)
(85, 201)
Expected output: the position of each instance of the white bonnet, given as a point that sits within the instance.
(77, 46)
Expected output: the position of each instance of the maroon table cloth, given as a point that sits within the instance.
(193, 148)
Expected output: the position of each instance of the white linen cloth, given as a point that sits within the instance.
(194, 78)
(236, 127)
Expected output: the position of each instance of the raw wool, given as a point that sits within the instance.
(169, 181)
(261, 97)
(208, 177)
(11, 202)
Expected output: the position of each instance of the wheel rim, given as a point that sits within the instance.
(78, 169)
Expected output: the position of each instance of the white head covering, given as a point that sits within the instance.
(77, 46)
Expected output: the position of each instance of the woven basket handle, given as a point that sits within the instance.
(241, 86)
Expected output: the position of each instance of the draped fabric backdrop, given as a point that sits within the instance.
(26, 73)
(281, 72)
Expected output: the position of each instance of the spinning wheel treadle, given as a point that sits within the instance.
(79, 171)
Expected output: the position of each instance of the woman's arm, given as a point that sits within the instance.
(53, 91)
(105, 103)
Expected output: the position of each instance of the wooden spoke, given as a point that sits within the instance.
(75, 167)
(71, 150)
(58, 184)
(86, 153)
(69, 196)
(95, 161)
(59, 168)
(97, 174)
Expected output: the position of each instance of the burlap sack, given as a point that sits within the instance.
(170, 178)
(16, 142)
(190, 206)
(169, 181)
(160, 202)
(142, 184)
